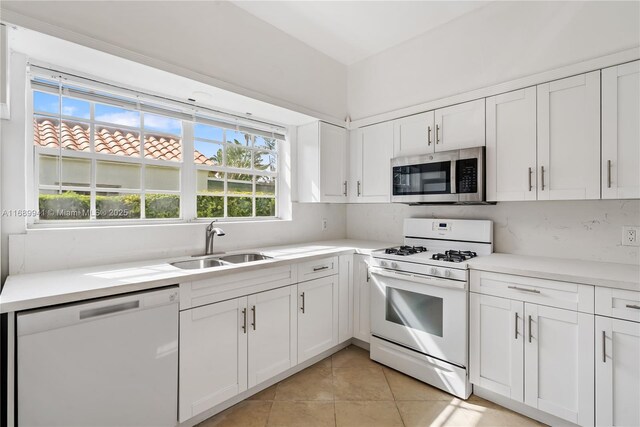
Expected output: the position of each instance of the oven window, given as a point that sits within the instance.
(428, 178)
(416, 311)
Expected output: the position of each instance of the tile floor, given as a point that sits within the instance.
(349, 389)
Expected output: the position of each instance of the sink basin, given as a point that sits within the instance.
(240, 258)
(199, 263)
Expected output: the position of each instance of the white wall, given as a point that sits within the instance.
(590, 230)
(499, 42)
(210, 41)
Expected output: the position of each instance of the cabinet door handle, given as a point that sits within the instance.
(530, 328)
(428, 135)
(324, 267)
(302, 296)
(637, 307)
(516, 337)
(530, 173)
(253, 310)
(345, 188)
(535, 291)
(608, 173)
(359, 189)
(244, 320)
(542, 176)
(604, 347)
(368, 275)
(437, 134)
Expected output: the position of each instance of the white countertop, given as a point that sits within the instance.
(35, 290)
(607, 274)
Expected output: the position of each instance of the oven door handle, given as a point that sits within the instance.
(423, 280)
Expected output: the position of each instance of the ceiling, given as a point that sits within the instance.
(349, 31)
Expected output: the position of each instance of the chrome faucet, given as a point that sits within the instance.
(211, 233)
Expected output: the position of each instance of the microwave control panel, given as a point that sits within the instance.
(467, 176)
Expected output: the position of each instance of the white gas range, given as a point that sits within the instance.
(419, 300)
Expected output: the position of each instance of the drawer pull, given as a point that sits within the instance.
(637, 307)
(321, 268)
(535, 291)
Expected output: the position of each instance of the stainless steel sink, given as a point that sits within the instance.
(199, 263)
(248, 257)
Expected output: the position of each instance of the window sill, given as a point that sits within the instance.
(142, 223)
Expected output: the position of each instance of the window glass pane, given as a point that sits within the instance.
(117, 175)
(48, 170)
(75, 136)
(161, 178)
(266, 143)
(210, 182)
(75, 172)
(162, 148)
(264, 160)
(265, 207)
(75, 108)
(117, 206)
(239, 206)
(162, 124)
(117, 115)
(162, 206)
(121, 142)
(239, 187)
(46, 102)
(210, 206)
(45, 132)
(207, 153)
(208, 132)
(265, 186)
(238, 138)
(238, 157)
(69, 205)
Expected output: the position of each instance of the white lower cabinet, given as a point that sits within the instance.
(317, 316)
(617, 372)
(361, 303)
(345, 305)
(531, 353)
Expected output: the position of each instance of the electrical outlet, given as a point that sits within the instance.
(324, 224)
(630, 236)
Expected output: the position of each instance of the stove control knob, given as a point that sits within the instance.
(434, 270)
(383, 263)
(394, 265)
(447, 273)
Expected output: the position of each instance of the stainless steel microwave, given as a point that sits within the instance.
(456, 176)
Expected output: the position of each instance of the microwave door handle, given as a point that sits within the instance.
(452, 178)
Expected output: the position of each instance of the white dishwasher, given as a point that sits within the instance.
(106, 362)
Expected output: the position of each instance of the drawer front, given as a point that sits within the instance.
(618, 303)
(570, 296)
(234, 285)
(315, 269)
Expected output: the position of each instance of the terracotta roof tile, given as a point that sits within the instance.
(121, 142)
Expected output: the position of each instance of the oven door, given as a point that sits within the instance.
(425, 313)
(429, 178)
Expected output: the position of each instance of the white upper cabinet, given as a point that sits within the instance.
(317, 316)
(371, 163)
(511, 146)
(621, 131)
(460, 126)
(4, 73)
(414, 135)
(322, 163)
(569, 138)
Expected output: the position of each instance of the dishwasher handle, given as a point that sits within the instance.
(109, 309)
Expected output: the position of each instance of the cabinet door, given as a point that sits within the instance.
(496, 345)
(621, 131)
(345, 311)
(617, 372)
(511, 146)
(333, 163)
(460, 126)
(213, 355)
(376, 149)
(317, 316)
(354, 185)
(272, 333)
(361, 302)
(558, 359)
(414, 135)
(569, 138)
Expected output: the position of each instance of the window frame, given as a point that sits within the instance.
(187, 168)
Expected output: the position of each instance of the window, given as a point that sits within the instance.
(99, 156)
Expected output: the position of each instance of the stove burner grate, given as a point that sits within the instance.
(405, 250)
(454, 256)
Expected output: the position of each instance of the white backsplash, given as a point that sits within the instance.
(590, 230)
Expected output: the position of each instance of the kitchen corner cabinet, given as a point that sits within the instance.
(361, 302)
(460, 126)
(414, 135)
(511, 146)
(569, 138)
(621, 131)
(317, 316)
(371, 153)
(322, 152)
